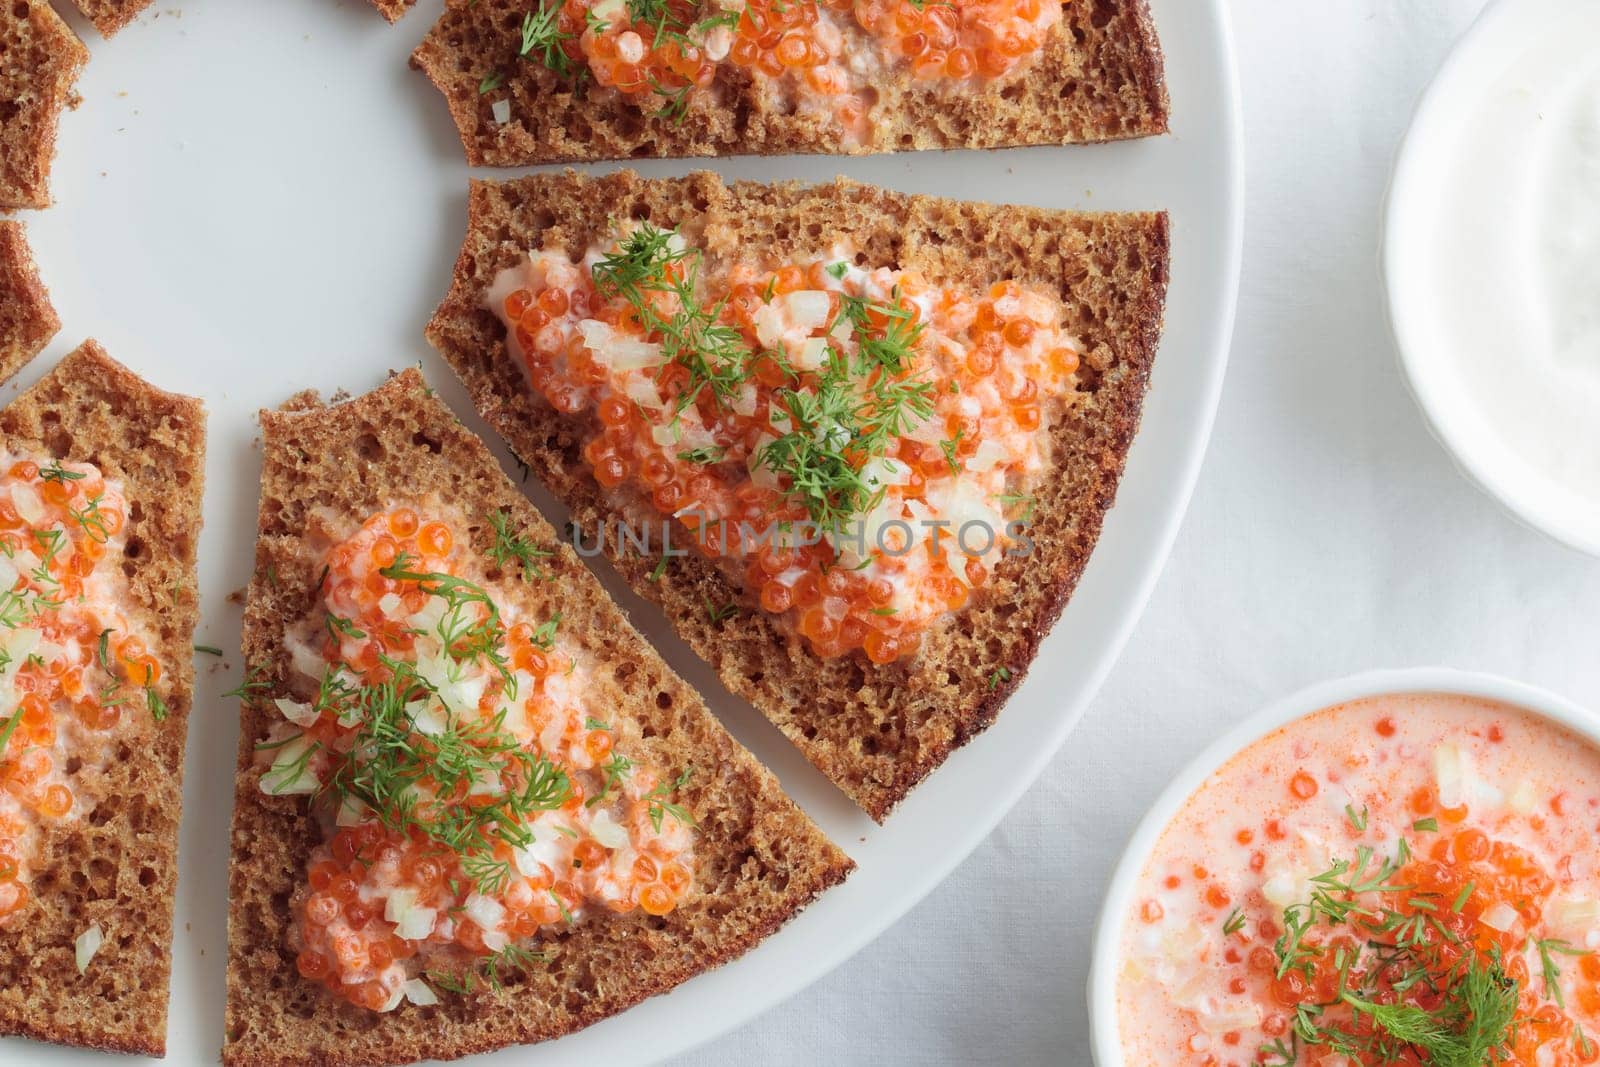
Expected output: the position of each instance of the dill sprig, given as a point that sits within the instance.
(543, 39)
(659, 806)
(659, 278)
(510, 547)
(1471, 1020)
(414, 782)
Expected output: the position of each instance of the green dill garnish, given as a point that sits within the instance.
(1358, 819)
(660, 569)
(1548, 949)
(718, 614)
(997, 676)
(543, 41)
(491, 81)
(511, 547)
(55, 472)
(1235, 922)
(660, 806)
(1466, 1014)
(704, 456)
(1426, 826)
(210, 650)
(651, 271)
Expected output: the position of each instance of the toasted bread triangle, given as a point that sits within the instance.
(117, 868)
(1099, 77)
(876, 731)
(40, 58)
(27, 321)
(759, 859)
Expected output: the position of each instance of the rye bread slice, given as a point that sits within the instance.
(758, 858)
(27, 321)
(109, 16)
(876, 731)
(118, 867)
(40, 58)
(1099, 78)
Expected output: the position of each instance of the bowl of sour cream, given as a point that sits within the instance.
(1491, 261)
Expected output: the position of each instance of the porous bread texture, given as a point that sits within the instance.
(875, 730)
(758, 859)
(27, 321)
(109, 16)
(40, 58)
(393, 9)
(117, 867)
(1099, 77)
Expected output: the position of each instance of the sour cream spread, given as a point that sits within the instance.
(1515, 271)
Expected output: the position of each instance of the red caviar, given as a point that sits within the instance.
(990, 363)
(70, 662)
(377, 898)
(659, 59)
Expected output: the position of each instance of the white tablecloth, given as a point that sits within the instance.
(1329, 534)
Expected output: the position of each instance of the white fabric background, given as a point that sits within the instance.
(1328, 534)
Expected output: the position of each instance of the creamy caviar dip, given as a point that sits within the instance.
(1400, 879)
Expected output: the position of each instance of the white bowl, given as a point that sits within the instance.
(1104, 1037)
(1504, 29)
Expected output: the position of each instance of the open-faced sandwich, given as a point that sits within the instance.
(27, 321)
(100, 479)
(535, 81)
(858, 445)
(474, 807)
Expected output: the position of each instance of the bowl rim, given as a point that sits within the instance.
(1103, 967)
(1406, 185)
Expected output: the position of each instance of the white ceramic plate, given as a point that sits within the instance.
(259, 198)
(1103, 971)
(1420, 320)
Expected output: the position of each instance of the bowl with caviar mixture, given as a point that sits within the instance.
(1395, 868)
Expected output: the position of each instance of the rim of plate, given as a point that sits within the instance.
(1102, 988)
(1408, 187)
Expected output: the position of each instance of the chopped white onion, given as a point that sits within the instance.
(608, 831)
(290, 773)
(617, 350)
(28, 502)
(813, 354)
(419, 993)
(296, 711)
(87, 944)
(1501, 917)
(808, 308)
(501, 110)
(485, 911)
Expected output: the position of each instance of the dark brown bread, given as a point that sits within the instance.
(876, 731)
(1099, 78)
(758, 858)
(118, 867)
(27, 321)
(393, 9)
(40, 58)
(109, 16)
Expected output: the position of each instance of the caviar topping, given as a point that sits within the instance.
(74, 668)
(474, 797)
(826, 54)
(856, 446)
